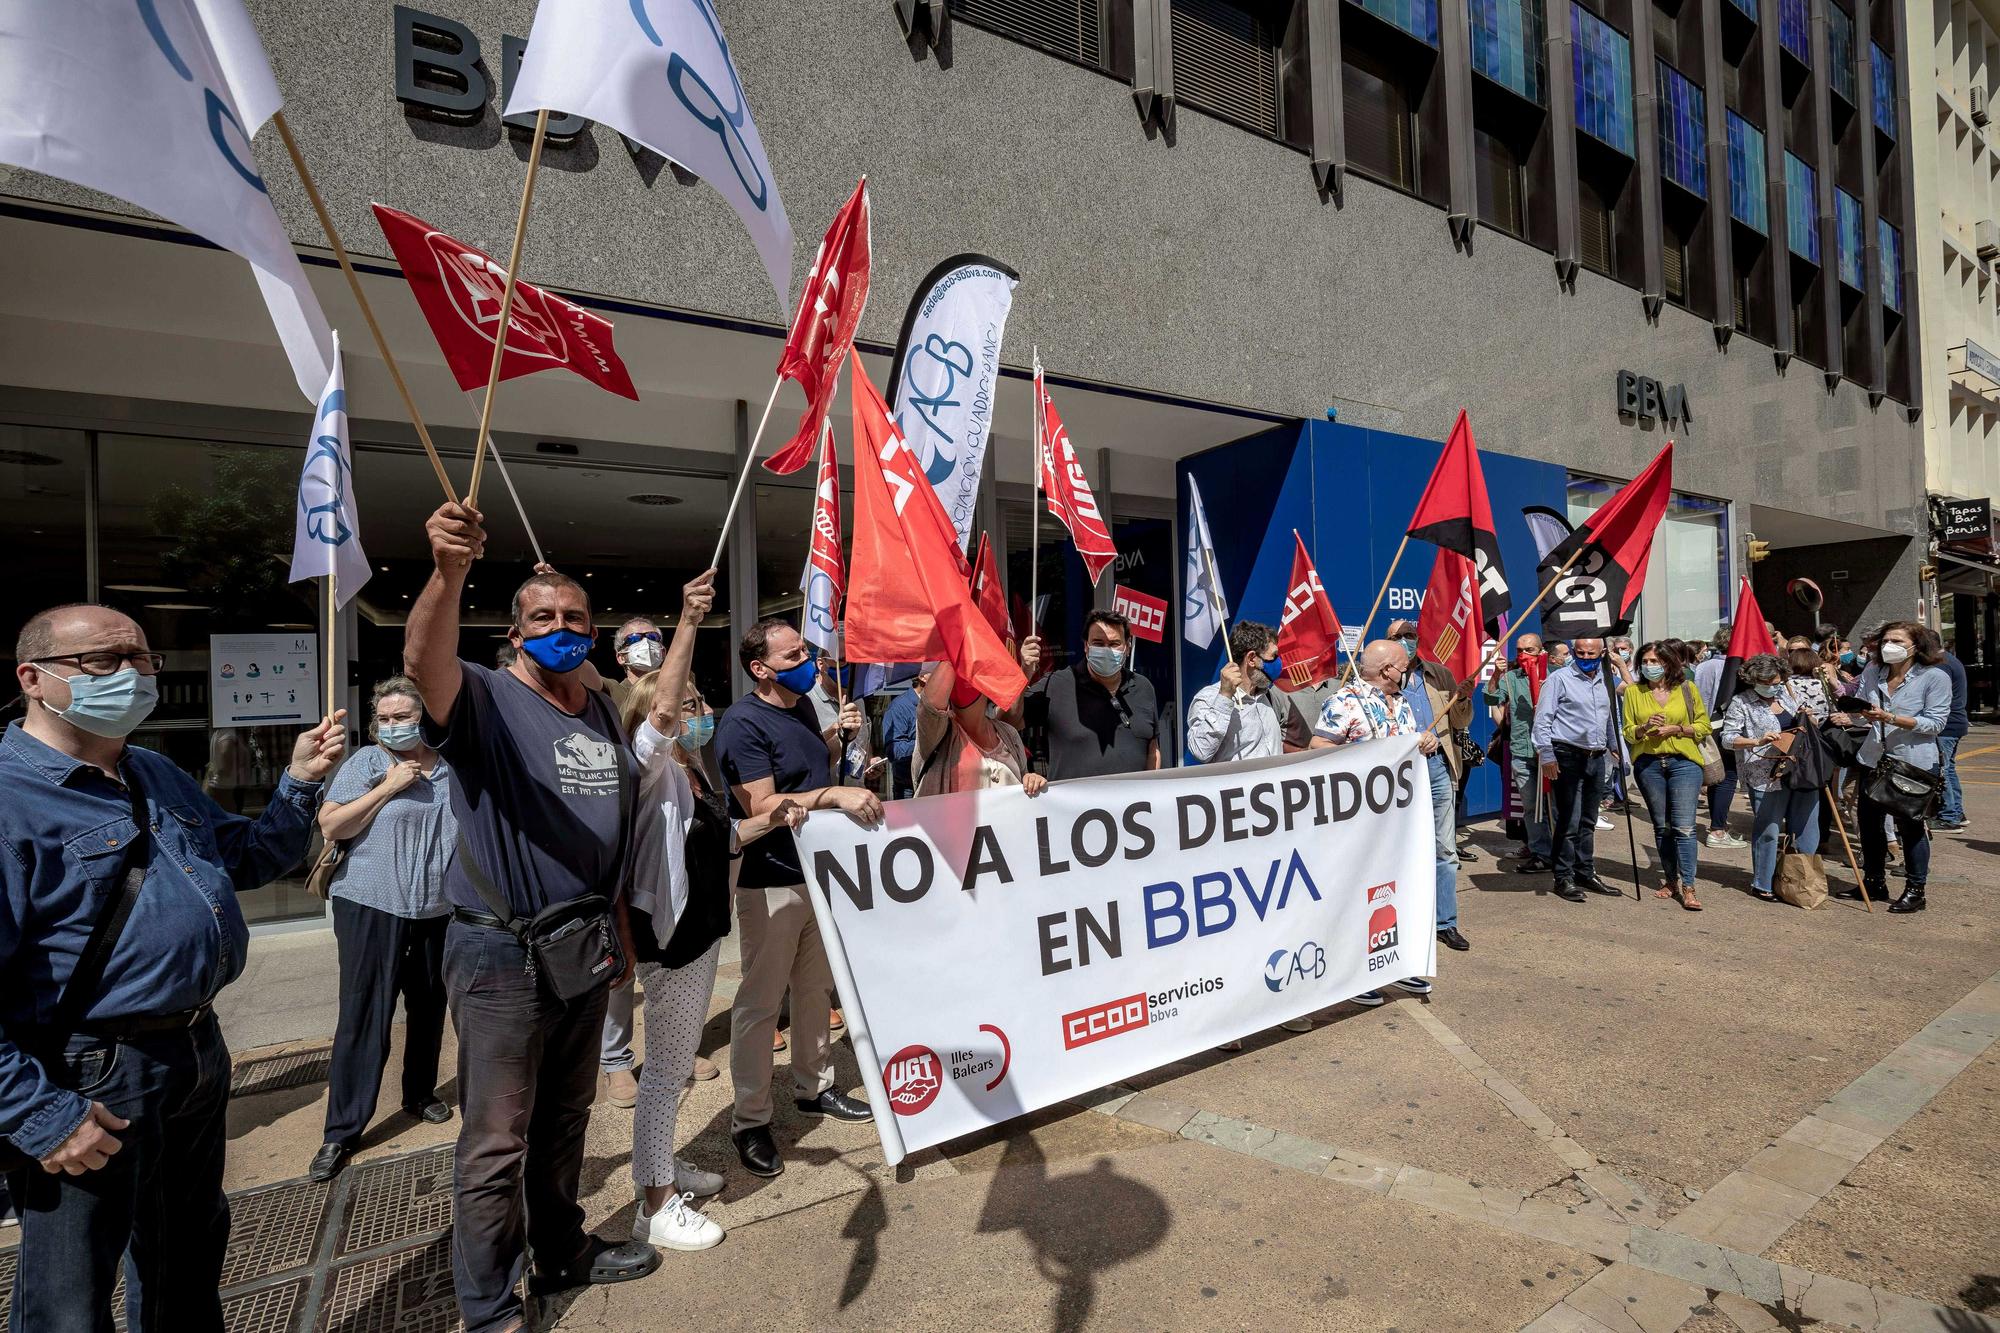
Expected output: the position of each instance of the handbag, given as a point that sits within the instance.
(1805, 763)
(81, 988)
(1903, 789)
(1843, 744)
(319, 880)
(1801, 879)
(1712, 770)
(572, 947)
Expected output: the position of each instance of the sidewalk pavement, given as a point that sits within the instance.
(1610, 1115)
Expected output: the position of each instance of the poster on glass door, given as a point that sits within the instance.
(263, 680)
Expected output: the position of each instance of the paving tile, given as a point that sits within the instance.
(1748, 1315)
(1301, 1154)
(1706, 1264)
(1565, 1318)
(1108, 1100)
(1379, 1179)
(1743, 1212)
(1619, 1192)
(1927, 1065)
(1227, 1132)
(1445, 1193)
(1158, 1112)
(1593, 1231)
(1849, 1116)
(1950, 1034)
(1632, 1300)
(1836, 1140)
(1885, 1093)
(1818, 1298)
(1807, 1170)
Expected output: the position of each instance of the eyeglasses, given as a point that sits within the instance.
(105, 664)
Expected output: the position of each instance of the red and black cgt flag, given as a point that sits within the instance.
(1611, 549)
(1454, 514)
(1748, 636)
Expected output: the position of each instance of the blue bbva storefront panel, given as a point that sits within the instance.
(1350, 493)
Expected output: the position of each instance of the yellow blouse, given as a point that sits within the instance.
(1640, 705)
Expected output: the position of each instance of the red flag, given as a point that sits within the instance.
(1068, 490)
(1449, 630)
(824, 582)
(1309, 634)
(986, 590)
(459, 289)
(1748, 636)
(1593, 596)
(823, 326)
(1536, 668)
(1454, 514)
(909, 598)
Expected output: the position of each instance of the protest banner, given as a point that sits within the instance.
(997, 953)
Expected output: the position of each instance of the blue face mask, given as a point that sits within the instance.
(111, 706)
(1274, 670)
(1588, 666)
(1652, 670)
(561, 651)
(1768, 691)
(1104, 661)
(1410, 647)
(799, 679)
(1849, 660)
(400, 736)
(697, 731)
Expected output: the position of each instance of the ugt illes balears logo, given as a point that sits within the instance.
(1381, 917)
(912, 1078)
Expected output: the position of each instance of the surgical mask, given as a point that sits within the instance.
(1624, 654)
(1652, 670)
(1849, 660)
(111, 706)
(561, 651)
(798, 679)
(1892, 653)
(644, 655)
(1587, 665)
(1410, 647)
(1274, 670)
(1104, 661)
(400, 736)
(1768, 691)
(697, 731)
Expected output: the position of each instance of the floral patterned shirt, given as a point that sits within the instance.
(1361, 712)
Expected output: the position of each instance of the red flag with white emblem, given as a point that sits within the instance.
(459, 288)
(1449, 629)
(824, 582)
(1068, 490)
(823, 327)
(1309, 634)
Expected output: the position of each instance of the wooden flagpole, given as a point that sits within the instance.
(361, 299)
(743, 477)
(1381, 592)
(332, 614)
(1035, 496)
(506, 305)
(1840, 824)
(1498, 644)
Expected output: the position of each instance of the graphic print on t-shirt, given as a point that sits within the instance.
(586, 766)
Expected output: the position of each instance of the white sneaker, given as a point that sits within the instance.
(1297, 1025)
(677, 1226)
(694, 1182)
(1604, 823)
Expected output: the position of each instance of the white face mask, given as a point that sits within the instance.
(1894, 653)
(643, 655)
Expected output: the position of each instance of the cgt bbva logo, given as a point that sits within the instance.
(912, 1079)
(1305, 963)
(1382, 917)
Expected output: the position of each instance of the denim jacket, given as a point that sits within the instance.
(64, 828)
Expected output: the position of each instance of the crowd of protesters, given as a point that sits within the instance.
(501, 811)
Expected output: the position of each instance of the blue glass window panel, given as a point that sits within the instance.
(1507, 44)
(1802, 209)
(1419, 18)
(1795, 29)
(1748, 8)
(1683, 129)
(1892, 264)
(1602, 64)
(1885, 90)
(1847, 239)
(1840, 54)
(1747, 202)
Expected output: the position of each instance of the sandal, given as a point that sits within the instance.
(1667, 891)
(1689, 901)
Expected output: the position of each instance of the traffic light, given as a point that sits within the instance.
(1758, 550)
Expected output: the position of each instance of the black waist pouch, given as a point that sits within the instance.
(572, 947)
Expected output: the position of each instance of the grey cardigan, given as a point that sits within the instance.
(1924, 696)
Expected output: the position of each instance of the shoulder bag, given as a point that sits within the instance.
(1712, 770)
(319, 880)
(573, 947)
(1807, 763)
(1903, 789)
(46, 1044)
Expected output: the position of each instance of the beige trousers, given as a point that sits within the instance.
(781, 948)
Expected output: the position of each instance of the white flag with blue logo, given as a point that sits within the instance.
(1203, 607)
(155, 101)
(326, 531)
(660, 73)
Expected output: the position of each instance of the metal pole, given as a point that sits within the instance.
(1035, 498)
(507, 304)
(332, 612)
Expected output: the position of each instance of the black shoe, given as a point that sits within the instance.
(1596, 885)
(1451, 939)
(758, 1151)
(1912, 900)
(605, 1261)
(1568, 892)
(1530, 864)
(836, 1104)
(326, 1163)
(1467, 852)
(432, 1112)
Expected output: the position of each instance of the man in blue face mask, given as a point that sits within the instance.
(115, 1074)
(543, 800)
(1575, 741)
(770, 748)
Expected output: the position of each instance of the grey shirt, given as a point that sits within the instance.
(396, 864)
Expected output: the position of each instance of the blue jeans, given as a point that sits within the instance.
(1444, 825)
(1578, 791)
(1672, 787)
(155, 1210)
(1722, 795)
(1953, 809)
(1527, 777)
(1780, 811)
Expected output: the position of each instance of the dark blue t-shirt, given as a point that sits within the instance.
(1957, 723)
(535, 792)
(756, 740)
